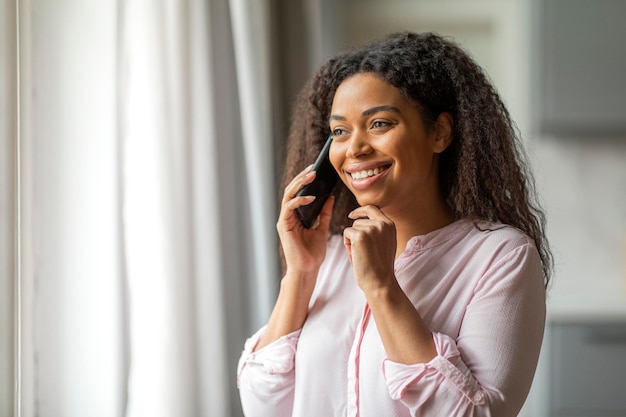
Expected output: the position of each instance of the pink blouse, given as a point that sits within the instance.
(479, 289)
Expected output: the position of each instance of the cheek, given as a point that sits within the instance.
(335, 157)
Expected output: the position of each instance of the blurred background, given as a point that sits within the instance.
(141, 142)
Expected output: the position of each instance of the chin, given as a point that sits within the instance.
(369, 201)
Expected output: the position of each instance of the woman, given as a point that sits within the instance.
(421, 290)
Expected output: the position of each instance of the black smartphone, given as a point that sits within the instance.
(321, 187)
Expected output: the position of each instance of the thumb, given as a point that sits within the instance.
(348, 244)
(326, 214)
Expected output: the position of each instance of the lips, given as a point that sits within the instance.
(362, 176)
(366, 173)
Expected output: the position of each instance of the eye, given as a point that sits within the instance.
(379, 124)
(338, 132)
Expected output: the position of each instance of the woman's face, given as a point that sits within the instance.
(381, 148)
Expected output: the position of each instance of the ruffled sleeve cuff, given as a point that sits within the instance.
(271, 364)
(426, 378)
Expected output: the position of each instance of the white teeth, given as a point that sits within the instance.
(366, 173)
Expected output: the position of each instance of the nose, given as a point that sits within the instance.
(358, 145)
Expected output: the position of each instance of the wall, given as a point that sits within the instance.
(584, 185)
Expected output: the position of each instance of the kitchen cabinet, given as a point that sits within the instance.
(587, 369)
(580, 67)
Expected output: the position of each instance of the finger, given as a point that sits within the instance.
(368, 212)
(287, 218)
(296, 202)
(353, 239)
(306, 170)
(326, 214)
(364, 223)
(348, 245)
(353, 235)
(305, 177)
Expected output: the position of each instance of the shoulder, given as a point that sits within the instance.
(497, 236)
(510, 256)
(485, 247)
(467, 235)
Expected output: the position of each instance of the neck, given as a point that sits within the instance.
(422, 221)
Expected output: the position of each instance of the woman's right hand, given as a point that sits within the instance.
(304, 249)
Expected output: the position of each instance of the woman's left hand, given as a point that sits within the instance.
(371, 246)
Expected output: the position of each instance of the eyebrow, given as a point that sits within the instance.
(377, 109)
(368, 112)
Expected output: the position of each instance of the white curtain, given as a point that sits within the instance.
(146, 198)
(8, 125)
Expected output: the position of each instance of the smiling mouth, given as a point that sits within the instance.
(366, 173)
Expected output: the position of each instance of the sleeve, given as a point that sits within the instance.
(265, 378)
(488, 368)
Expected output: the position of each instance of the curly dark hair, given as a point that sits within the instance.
(483, 173)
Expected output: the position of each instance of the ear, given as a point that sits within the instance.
(442, 132)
